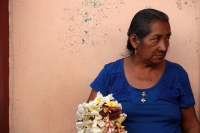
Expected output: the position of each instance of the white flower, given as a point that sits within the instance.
(100, 123)
(90, 120)
(99, 100)
(109, 98)
(92, 106)
(82, 130)
(112, 104)
(82, 111)
(96, 130)
(79, 125)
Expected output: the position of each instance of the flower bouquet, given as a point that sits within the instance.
(91, 120)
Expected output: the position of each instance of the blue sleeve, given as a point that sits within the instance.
(100, 82)
(186, 98)
(182, 85)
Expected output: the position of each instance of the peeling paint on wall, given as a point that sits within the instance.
(93, 13)
(179, 4)
(186, 5)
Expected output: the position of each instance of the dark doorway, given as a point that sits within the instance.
(4, 67)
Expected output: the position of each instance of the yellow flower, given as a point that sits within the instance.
(99, 100)
(105, 109)
(111, 104)
(93, 107)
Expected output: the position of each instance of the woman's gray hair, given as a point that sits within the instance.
(141, 25)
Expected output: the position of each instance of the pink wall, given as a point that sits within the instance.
(57, 48)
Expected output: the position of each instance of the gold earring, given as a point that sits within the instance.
(135, 51)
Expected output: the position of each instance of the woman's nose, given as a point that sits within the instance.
(163, 46)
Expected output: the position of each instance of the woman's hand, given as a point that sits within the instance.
(113, 112)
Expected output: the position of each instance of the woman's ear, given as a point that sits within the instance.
(134, 40)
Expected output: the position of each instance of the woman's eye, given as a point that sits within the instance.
(155, 39)
(167, 39)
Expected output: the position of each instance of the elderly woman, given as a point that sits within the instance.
(155, 93)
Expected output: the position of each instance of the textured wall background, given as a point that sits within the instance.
(58, 47)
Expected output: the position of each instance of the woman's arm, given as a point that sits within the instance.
(92, 96)
(189, 123)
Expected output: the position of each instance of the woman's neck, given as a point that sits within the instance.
(136, 63)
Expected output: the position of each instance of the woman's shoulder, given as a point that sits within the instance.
(114, 63)
(114, 66)
(174, 66)
(176, 70)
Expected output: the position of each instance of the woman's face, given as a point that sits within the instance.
(152, 49)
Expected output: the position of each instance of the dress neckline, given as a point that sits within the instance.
(122, 67)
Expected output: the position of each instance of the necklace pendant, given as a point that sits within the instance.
(143, 94)
(143, 100)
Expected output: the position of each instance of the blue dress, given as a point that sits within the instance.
(160, 110)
